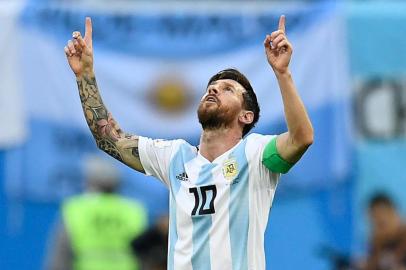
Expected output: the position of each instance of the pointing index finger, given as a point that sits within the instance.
(282, 23)
(88, 31)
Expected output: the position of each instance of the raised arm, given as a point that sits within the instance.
(107, 133)
(291, 145)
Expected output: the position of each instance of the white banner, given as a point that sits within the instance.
(12, 112)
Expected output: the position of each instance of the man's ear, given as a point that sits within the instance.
(246, 117)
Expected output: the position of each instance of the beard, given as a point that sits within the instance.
(213, 117)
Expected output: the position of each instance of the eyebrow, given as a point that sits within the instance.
(229, 84)
(243, 90)
(226, 83)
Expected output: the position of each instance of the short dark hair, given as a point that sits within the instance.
(381, 199)
(250, 98)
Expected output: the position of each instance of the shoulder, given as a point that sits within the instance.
(255, 144)
(259, 138)
(74, 204)
(255, 141)
(78, 199)
(162, 143)
(163, 148)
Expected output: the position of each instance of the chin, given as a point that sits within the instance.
(212, 118)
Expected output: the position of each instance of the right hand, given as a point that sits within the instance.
(79, 51)
(280, 53)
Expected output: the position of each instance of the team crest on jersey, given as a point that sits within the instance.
(230, 169)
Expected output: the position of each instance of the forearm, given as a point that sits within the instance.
(298, 122)
(92, 103)
(107, 133)
(103, 127)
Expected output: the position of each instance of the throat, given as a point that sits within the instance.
(213, 144)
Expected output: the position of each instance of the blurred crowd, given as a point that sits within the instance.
(387, 239)
(387, 248)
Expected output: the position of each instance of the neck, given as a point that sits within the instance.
(215, 142)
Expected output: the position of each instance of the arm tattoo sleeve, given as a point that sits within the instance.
(107, 133)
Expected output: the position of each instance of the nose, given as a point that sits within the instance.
(213, 90)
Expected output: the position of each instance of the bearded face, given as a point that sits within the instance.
(218, 110)
(213, 116)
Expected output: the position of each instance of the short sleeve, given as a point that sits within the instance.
(256, 144)
(156, 155)
(273, 161)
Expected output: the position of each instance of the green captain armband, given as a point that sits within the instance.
(273, 161)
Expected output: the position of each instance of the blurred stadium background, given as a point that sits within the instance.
(152, 62)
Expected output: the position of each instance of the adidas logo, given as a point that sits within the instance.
(182, 177)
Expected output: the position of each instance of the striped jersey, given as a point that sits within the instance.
(218, 210)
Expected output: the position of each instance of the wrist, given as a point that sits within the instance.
(80, 75)
(284, 74)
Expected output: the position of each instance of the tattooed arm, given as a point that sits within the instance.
(107, 133)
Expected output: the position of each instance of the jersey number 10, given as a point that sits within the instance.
(200, 194)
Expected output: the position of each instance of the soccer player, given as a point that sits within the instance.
(221, 191)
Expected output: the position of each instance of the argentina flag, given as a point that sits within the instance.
(152, 67)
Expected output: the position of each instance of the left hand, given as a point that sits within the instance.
(278, 49)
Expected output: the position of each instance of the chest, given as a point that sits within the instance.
(204, 188)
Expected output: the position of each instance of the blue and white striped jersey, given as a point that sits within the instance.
(218, 210)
